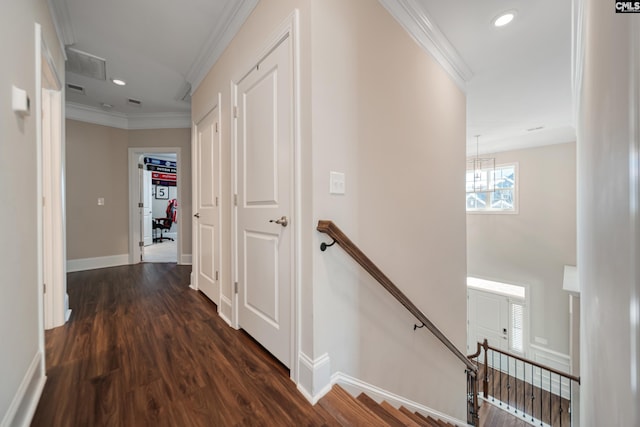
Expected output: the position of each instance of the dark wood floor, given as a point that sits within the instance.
(142, 348)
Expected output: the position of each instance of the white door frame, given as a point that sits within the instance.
(289, 28)
(51, 212)
(135, 233)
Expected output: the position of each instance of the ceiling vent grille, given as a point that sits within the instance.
(134, 102)
(85, 64)
(76, 88)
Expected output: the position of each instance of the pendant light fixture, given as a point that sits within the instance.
(480, 172)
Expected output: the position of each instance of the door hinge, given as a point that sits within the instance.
(235, 288)
(44, 288)
(140, 205)
(235, 200)
(216, 127)
(141, 244)
(140, 166)
(235, 112)
(216, 276)
(216, 201)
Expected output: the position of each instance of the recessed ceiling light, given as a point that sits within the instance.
(119, 82)
(504, 18)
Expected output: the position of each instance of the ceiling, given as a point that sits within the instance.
(520, 74)
(517, 77)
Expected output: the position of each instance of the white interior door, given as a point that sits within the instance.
(206, 216)
(147, 208)
(264, 165)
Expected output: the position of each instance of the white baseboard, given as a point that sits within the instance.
(314, 377)
(25, 401)
(224, 310)
(83, 264)
(186, 259)
(355, 386)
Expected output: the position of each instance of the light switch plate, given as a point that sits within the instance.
(100, 201)
(336, 183)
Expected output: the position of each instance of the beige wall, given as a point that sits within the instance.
(391, 119)
(97, 166)
(19, 287)
(532, 246)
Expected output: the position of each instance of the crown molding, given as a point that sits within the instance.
(234, 15)
(62, 23)
(97, 116)
(159, 121)
(422, 28)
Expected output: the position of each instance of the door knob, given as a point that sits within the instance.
(283, 221)
(197, 215)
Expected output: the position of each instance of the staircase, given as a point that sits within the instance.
(342, 409)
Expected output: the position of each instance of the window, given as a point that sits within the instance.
(517, 327)
(502, 180)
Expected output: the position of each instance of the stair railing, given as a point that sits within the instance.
(332, 230)
(537, 393)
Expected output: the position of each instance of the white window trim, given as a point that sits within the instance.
(516, 196)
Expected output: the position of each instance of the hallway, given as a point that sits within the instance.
(142, 348)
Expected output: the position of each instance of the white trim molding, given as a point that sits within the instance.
(84, 113)
(186, 259)
(233, 16)
(422, 28)
(83, 264)
(314, 377)
(355, 386)
(25, 401)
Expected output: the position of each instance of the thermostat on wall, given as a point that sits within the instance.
(20, 101)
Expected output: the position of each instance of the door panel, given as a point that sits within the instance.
(264, 170)
(206, 221)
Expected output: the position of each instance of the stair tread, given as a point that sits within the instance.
(413, 417)
(437, 423)
(348, 411)
(381, 412)
(399, 415)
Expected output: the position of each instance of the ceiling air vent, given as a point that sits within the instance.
(76, 88)
(535, 128)
(85, 64)
(134, 102)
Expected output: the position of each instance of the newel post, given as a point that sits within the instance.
(485, 380)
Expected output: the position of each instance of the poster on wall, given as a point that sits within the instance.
(164, 172)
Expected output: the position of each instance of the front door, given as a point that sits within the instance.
(264, 181)
(206, 217)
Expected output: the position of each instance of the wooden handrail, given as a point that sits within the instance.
(332, 230)
(486, 347)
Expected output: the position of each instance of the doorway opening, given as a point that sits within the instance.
(154, 215)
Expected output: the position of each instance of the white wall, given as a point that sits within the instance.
(608, 93)
(19, 268)
(531, 247)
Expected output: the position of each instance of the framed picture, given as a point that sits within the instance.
(162, 192)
